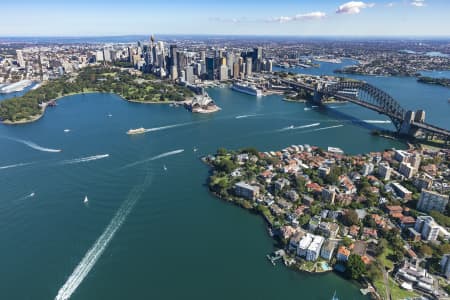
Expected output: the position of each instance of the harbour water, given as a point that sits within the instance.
(150, 229)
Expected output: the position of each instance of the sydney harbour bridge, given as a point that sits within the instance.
(407, 122)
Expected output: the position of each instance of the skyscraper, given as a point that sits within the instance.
(20, 59)
(210, 67)
(248, 66)
(173, 56)
(236, 70)
(223, 74)
(230, 63)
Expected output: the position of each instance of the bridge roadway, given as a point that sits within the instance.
(424, 126)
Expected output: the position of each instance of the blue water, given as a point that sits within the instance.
(410, 94)
(163, 236)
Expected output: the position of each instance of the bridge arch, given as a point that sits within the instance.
(365, 93)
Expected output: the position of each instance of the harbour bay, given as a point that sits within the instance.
(178, 241)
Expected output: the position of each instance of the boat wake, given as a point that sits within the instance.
(377, 121)
(84, 159)
(325, 128)
(292, 127)
(246, 116)
(95, 252)
(170, 153)
(167, 127)
(15, 166)
(35, 146)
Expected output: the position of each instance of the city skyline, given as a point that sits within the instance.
(281, 18)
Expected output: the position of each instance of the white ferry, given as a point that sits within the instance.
(246, 89)
(136, 131)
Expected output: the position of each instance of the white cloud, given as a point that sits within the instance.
(228, 20)
(418, 3)
(390, 4)
(353, 7)
(299, 17)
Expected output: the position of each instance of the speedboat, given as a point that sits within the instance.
(165, 168)
(66, 130)
(195, 149)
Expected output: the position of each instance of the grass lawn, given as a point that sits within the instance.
(397, 293)
(386, 261)
(379, 286)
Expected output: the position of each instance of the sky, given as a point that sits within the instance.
(420, 18)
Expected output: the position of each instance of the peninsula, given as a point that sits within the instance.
(130, 84)
(368, 216)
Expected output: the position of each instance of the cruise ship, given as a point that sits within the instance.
(15, 87)
(246, 88)
(136, 131)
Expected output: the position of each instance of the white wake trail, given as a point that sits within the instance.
(14, 166)
(35, 146)
(168, 126)
(299, 127)
(96, 251)
(84, 159)
(377, 121)
(246, 116)
(325, 128)
(153, 158)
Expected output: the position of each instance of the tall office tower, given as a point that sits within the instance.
(210, 67)
(236, 70)
(198, 69)
(190, 74)
(269, 65)
(130, 54)
(153, 51)
(173, 72)
(20, 59)
(230, 63)
(223, 61)
(257, 59)
(223, 72)
(203, 56)
(173, 56)
(161, 55)
(248, 66)
(107, 54)
(182, 62)
(99, 56)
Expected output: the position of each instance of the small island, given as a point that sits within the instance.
(432, 80)
(130, 84)
(359, 215)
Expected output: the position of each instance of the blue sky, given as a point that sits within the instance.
(250, 17)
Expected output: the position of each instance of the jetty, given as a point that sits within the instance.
(275, 256)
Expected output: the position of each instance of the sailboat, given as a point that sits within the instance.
(165, 168)
(86, 200)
